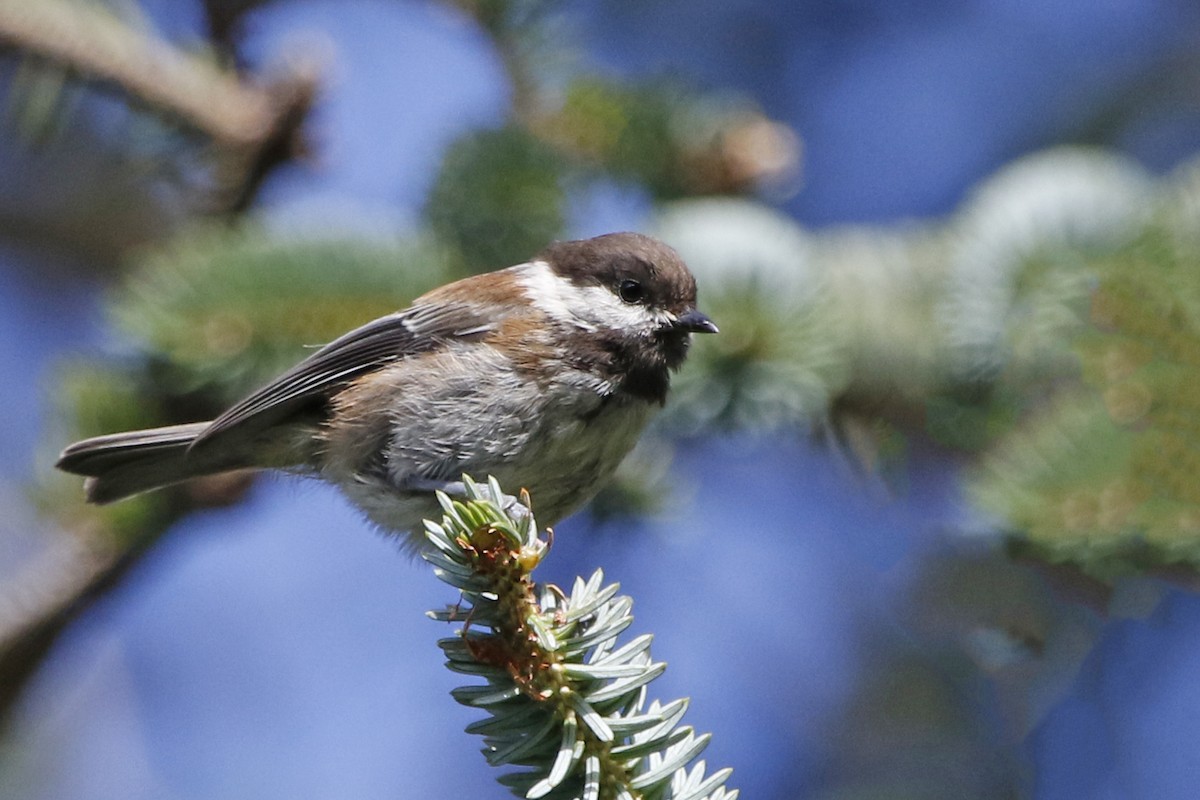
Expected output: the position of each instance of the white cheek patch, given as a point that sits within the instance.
(586, 307)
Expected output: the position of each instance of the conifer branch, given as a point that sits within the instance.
(564, 700)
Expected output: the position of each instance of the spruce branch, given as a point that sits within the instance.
(565, 701)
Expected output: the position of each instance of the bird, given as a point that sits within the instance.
(542, 375)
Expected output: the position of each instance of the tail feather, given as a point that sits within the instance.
(124, 464)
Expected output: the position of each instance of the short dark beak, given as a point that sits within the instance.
(695, 322)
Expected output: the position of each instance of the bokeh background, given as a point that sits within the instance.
(923, 521)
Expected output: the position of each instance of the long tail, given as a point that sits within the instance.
(124, 464)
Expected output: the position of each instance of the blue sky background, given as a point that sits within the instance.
(279, 648)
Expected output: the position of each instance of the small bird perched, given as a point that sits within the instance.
(542, 375)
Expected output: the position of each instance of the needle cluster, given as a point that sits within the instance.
(564, 701)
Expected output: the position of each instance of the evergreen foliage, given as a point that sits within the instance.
(497, 198)
(223, 306)
(565, 702)
(1050, 327)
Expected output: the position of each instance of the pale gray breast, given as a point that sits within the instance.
(576, 456)
(466, 410)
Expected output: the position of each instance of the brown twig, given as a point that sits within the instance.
(253, 126)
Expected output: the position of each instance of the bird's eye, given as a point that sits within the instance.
(631, 291)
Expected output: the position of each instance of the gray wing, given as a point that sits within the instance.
(415, 330)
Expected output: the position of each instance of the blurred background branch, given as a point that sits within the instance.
(244, 127)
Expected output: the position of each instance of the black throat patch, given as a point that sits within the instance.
(638, 367)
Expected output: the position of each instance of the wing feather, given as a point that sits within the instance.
(418, 329)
